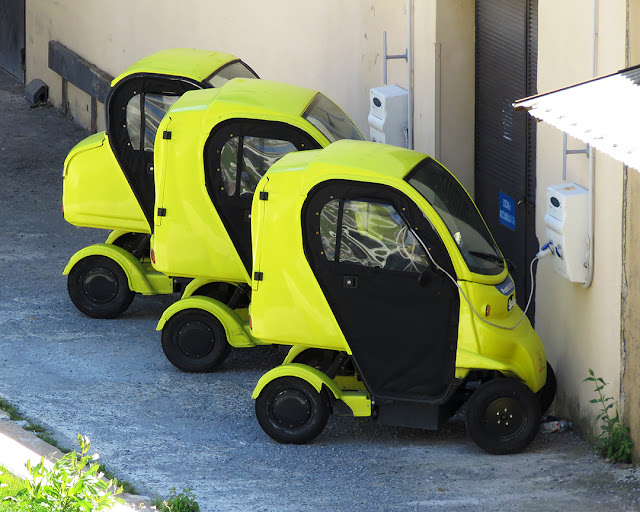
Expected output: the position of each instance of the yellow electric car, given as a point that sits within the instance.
(109, 177)
(374, 263)
(212, 149)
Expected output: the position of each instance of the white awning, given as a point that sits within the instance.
(603, 112)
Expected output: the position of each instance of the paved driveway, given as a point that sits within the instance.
(159, 428)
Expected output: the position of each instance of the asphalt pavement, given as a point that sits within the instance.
(159, 428)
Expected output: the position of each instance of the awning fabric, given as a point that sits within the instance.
(603, 112)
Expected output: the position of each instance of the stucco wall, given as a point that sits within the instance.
(580, 327)
(631, 306)
(455, 103)
(334, 46)
(631, 274)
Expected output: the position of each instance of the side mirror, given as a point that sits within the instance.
(427, 276)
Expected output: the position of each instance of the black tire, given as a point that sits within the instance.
(99, 287)
(195, 341)
(503, 416)
(291, 411)
(548, 392)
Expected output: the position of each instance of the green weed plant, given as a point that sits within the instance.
(614, 441)
(73, 484)
(182, 502)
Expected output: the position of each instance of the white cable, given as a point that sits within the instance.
(544, 252)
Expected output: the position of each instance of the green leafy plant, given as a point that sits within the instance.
(614, 441)
(183, 502)
(73, 484)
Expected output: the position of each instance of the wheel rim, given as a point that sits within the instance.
(291, 409)
(100, 285)
(195, 339)
(504, 418)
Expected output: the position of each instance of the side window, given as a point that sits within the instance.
(144, 113)
(370, 234)
(252, 156)
(134, 121)
(155, 107)
(229, 165)
(329, 228)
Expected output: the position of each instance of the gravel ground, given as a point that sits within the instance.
(159, 428)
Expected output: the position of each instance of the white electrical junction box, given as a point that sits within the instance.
(567, 222)
(388, 115)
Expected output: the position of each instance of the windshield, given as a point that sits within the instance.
(460, 215)
(329, 118)
(237, 69)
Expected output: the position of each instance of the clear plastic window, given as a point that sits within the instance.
(329, 118)
(258, 155)
(155, 107)
(229, 164)
(134, 121)
(371, 235)
(328, 228)
(233, 70)
(375, 235)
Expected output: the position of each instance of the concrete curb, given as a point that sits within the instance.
(17, 446)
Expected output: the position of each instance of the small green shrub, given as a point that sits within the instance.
(614, 441)
(73, 484)
(9, 484)
(183, 502)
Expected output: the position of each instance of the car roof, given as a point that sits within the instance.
(186, 62)
(248, 96)
(346, 159)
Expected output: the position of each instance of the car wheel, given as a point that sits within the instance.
(291, 411)
(99, 287)
(195, 341)
(503, 416)
(548, 392)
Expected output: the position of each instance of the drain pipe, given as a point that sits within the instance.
(410, 66)
(592, 154)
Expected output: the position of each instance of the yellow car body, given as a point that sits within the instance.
(108, 178)
(378, 257)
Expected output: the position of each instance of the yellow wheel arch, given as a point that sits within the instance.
(236, 328)
(141, 279)
(358, 401)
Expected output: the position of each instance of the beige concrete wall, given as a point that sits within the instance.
(334, 46)
(580, 327)
(631, 274)
(634, 32)
(455, 103)
(631, 310)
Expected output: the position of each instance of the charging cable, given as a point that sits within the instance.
(546, 250)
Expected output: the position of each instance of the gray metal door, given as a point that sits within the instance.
(12, 37)
(505, 141)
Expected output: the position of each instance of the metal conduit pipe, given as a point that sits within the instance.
(410, 65)
(592, 154)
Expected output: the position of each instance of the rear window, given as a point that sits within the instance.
(329, 118)
(237, 69)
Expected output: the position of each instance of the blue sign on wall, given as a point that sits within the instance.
(507, 211)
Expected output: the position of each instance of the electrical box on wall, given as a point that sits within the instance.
(388, 115)
(567, 222)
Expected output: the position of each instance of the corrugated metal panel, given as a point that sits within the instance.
(12, 40)
(506, 59)
(603, 112)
